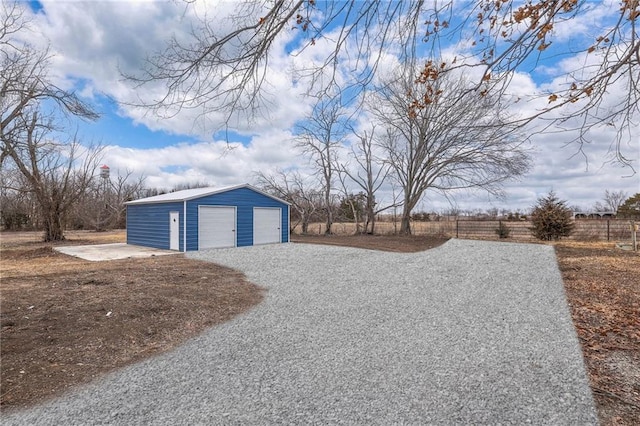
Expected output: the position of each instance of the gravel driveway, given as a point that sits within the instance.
(470, 332)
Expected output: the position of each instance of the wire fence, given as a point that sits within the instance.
(585, 229)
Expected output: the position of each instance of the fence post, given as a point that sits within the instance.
(457, 222)
(608, 230)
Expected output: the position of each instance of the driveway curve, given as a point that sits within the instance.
(471, 332)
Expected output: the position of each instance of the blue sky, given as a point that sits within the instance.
(93, 41)
(36, 6)
(114, 128)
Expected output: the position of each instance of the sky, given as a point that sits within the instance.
(93, 43)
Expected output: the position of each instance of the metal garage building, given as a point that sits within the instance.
(205, 218)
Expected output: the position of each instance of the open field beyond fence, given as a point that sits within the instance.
(585, 230)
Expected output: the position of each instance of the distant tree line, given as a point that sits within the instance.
(99, 206)
(308, 206)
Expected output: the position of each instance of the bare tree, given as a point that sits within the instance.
(369, 175)
(448, 144)
(17, 208)
(292, 187)
(24, 84)
(94, 210)
(319, 137)
(612, 201)
(226, 70)
(55, 172)
(102, 205)
(507, 36)
(124, 188)
(190, 185)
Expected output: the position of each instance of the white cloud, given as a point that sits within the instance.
(217, 163)
(589, 24)
(94, 42)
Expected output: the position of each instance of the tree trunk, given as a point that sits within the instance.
(405, 222)
(356, 219)
(53, 230)
(405, 225)
(328, 231)
(305, 226)
(370, 216)
(357, 222)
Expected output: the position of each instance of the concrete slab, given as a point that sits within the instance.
(99, 252)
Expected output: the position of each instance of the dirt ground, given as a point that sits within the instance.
(401, 244)
(603, 289)
(66, 321)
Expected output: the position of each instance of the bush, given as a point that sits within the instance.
(503, 230)
(630, 209)
(551, 219)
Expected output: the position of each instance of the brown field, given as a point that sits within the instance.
(67, 321)
(585, 230)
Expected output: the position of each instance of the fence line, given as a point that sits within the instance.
(585, 229)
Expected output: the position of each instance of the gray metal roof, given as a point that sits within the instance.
(190, 194)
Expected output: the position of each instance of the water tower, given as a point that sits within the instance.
(104, 172)
(104, 175)
(102, 214)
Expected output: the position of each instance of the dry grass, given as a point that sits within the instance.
(586, 230)
(603, 288)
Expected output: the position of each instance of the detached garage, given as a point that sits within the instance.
(203, 218)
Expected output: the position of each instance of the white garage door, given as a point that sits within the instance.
(266, 225)
(216, 227)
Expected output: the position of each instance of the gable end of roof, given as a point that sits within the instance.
(192, 194)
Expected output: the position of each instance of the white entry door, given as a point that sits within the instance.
(266, 225)
(174, 231)
(216, 227)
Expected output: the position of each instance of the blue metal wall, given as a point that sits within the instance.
(148, 224)
(244, 199)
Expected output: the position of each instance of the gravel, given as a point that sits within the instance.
(471, 332)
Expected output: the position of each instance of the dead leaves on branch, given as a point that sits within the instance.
(631, 8)
(504, 30)
(428, 77)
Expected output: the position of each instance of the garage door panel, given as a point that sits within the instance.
(266, 225)
(216, 227)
